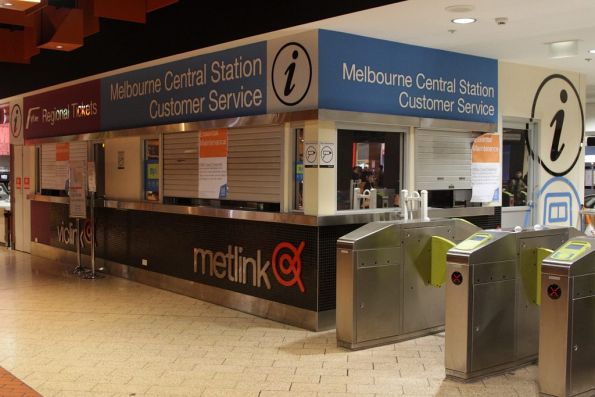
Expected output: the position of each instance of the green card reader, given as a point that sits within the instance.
(571, 250)
(473, 241)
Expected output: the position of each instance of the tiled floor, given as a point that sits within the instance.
(111, 337)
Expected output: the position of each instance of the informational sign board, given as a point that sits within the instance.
(212, 164)
(91, 176)
(310, 154)
(327, 155)
(77, 189)
(486, 175)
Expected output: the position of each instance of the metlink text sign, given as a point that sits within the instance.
(369, 75)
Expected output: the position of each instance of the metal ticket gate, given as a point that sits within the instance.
(567, 326)
(388, 280)
(492, 297)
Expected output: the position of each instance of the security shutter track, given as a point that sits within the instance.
(253, 164)
(443, 159)
(54, 172)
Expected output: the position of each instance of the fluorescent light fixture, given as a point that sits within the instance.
(463, 21)
(592, 51)
(563, 49)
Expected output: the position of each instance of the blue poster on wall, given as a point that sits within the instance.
(369, 75)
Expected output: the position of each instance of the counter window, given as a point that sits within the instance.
(515, 160)
(298, 175)
(371, 162)
(54, 164)
(151, 170)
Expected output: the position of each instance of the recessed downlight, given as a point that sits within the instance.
(463, 21)
(7, 4)
(59, 47)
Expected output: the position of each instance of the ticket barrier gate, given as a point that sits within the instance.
(567, 324)
(388, 280)
(492, 313)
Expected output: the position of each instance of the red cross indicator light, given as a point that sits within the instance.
(554, 291)
(456, 278)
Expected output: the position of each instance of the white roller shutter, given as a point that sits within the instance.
(253, 164)
(54, 173)
(180, 165)
(443, 159)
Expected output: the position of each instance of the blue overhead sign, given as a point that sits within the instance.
(369, 75)
(227, 83)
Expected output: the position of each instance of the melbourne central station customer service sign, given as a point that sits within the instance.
(220, 84)
(369, 75)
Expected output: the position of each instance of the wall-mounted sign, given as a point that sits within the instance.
(27, 183)
(485, 169)
(16, 122)
(221, 84)
(63, 111)
(212, 164)
(310, 155)
(369, 75)
(327, 154)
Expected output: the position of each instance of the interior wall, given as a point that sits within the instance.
(548, 96)
(123, 168)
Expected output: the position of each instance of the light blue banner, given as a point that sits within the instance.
(369, 75)
(228, 83)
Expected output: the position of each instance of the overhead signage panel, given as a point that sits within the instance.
(227, 83)
(369, 75)
(64, 111)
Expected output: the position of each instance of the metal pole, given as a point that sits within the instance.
(92, 274)
(79, 268)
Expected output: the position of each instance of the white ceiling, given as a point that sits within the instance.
(531, 24)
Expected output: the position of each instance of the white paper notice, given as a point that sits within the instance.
(212, 164)
(77, 191)
(485, 169)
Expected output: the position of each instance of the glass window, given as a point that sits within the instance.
(515, 167)
(151, 169)
(299, 170)
(371, 162)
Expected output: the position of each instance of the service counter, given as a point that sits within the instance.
(280, 266)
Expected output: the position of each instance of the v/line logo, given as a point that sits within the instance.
(235, 266)
(67, 234)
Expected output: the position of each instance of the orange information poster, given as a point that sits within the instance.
(485, 169)
(212, 163)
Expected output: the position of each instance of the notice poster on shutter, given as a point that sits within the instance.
(485, 169)
(212, 163)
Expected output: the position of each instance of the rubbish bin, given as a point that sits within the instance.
(567, 326)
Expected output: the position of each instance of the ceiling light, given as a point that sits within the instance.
(7, 4)
(592, 51)
(59, 47)
(563, 49)
(463, 21)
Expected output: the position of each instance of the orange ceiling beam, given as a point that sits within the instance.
(129, 10)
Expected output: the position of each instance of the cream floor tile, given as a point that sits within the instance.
(112, 337)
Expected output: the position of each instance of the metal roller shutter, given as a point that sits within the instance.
(253, 164)
(443, 159)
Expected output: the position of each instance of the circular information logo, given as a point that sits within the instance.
(557, 104)
(291, 74)
(16, 121)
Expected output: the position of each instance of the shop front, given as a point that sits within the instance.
(228, 174)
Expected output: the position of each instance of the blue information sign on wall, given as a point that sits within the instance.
(369, 75)
(216, 85)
